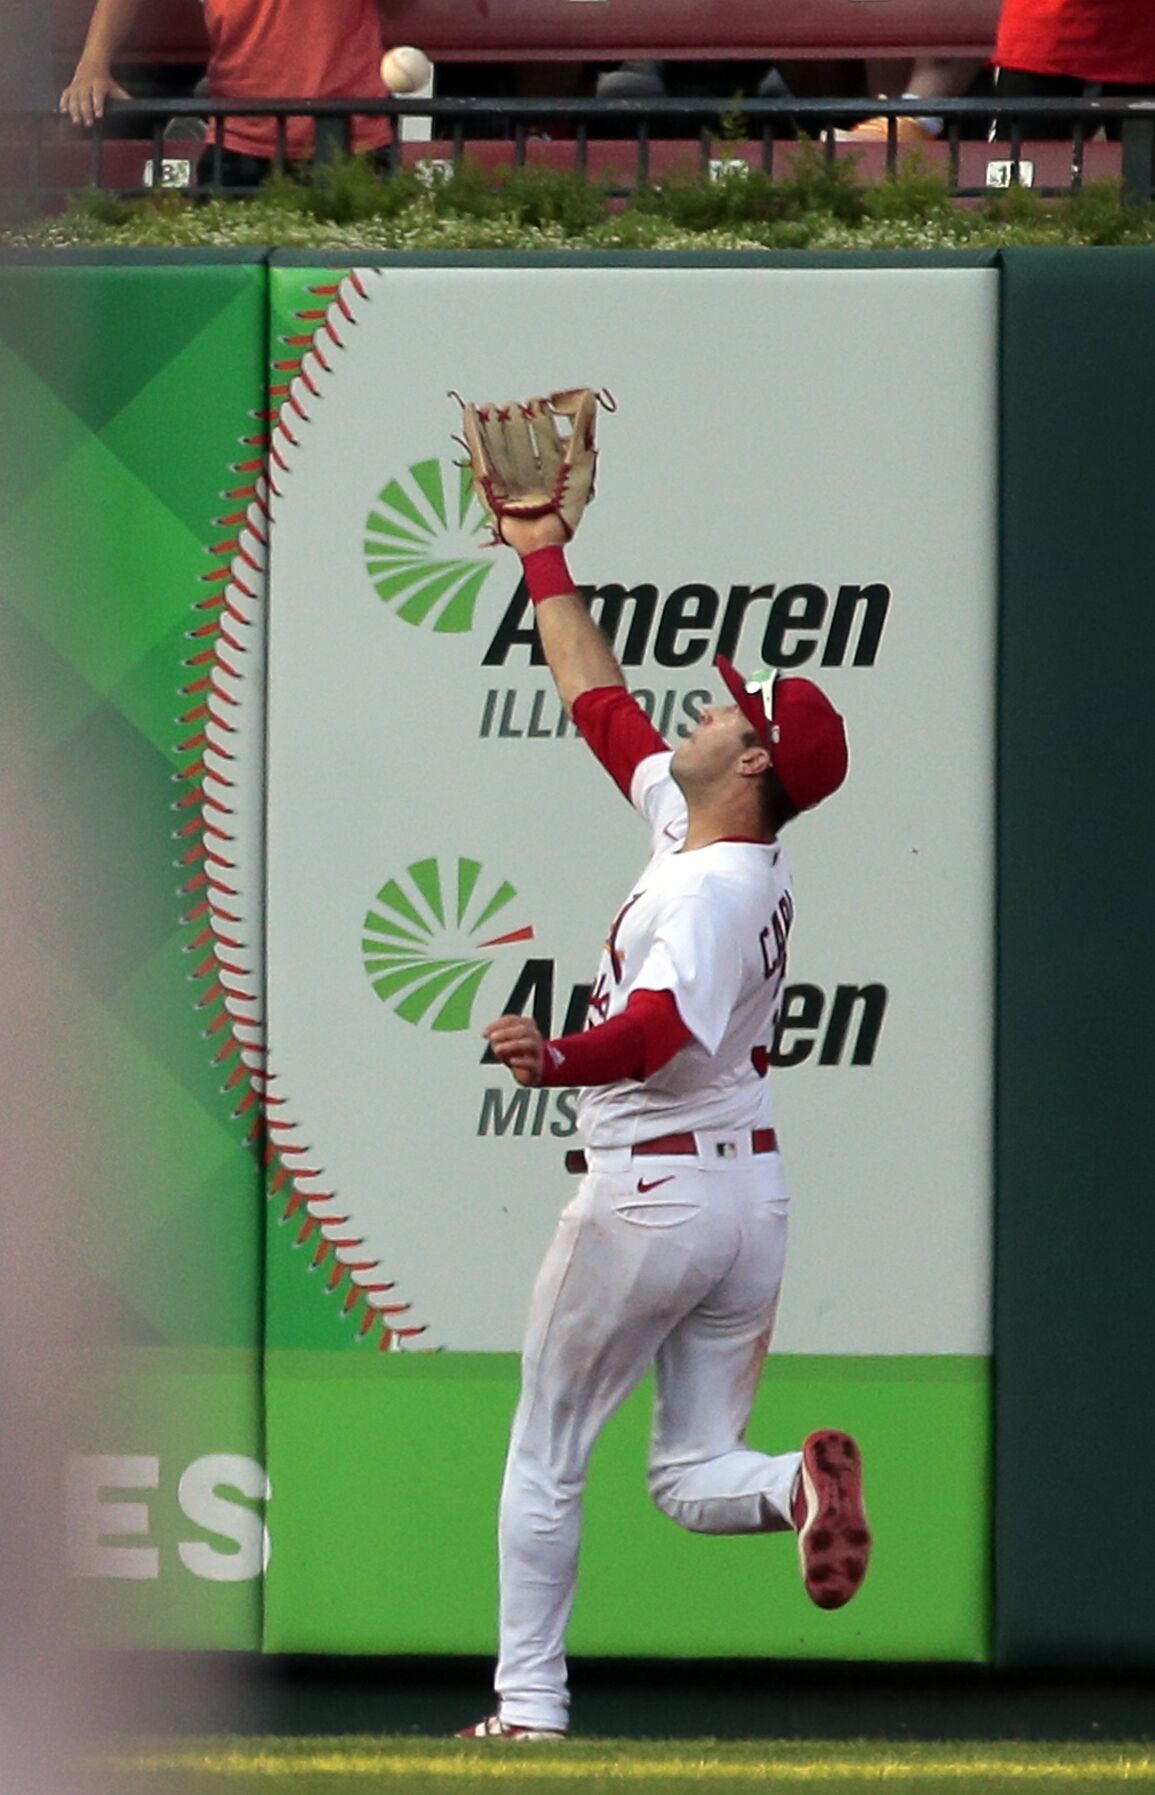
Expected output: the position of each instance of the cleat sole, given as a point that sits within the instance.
(834, 1540)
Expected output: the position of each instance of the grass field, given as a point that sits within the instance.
(410, 1766)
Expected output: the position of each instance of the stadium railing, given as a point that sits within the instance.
(45, 160)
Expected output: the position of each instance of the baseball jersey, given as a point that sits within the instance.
(710, 926)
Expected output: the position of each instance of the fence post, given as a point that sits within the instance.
(1138, 159)
(332, 139)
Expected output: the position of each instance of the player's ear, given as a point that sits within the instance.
(754, 761)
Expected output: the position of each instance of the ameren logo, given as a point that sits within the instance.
(425, 553)
(421, 547)
(427, 941)
(693, 623)
(775, 626)
(839, 1027)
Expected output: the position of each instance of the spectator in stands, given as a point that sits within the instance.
(258, 49)
(632, 81)
(931, 78)
(723, 79)
(697, 80)
(1083, 48)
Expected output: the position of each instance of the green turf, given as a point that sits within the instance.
(595, 1766)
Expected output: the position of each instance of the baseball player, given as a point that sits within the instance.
(671, 1253)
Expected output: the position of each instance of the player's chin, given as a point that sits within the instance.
(682, 765)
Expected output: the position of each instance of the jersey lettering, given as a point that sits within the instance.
(612, 943)
(601, 995)
(778, 930)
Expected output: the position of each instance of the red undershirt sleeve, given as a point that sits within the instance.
(617, 730)
(612, 722)
(636, 1044)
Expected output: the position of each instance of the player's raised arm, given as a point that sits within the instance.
(535, 478)
(579, 656)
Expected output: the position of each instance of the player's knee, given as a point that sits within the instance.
(658, 1481)
(664, 1483)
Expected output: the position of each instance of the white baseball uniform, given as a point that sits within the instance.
(669, 1259)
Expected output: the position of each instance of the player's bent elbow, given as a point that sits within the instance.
(574, 686)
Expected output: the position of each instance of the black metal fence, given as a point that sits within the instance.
(753, 129)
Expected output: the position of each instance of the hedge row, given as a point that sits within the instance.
(815, 205)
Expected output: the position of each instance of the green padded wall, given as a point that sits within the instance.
(127, 385)
(1075, 1317)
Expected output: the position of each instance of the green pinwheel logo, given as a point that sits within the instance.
(421, 543)
(427, 938)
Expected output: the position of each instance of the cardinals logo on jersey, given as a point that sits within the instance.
(600, 995)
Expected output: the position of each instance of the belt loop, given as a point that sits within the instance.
(609, 1159)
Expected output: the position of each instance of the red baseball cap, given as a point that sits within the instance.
(796, 722)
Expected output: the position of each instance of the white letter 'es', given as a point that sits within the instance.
(213, 1492)
(201, 1499)
(92, 1519)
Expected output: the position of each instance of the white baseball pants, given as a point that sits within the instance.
(675, 1262)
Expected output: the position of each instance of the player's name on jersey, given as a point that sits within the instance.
(774, 625)
(511, 714)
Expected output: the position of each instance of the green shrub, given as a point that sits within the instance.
(469, 192)
(695, 204)
(811, 188)
(915, 192)
(95, 205)
(1098, 214)
(545, 196)
(342, 191)
(817, 182)
(732, 125)
(1015, 205)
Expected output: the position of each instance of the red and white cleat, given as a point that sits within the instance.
(830, 1520)
(494, 1728)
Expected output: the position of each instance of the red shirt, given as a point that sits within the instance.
(1094, 40)
(294, 50)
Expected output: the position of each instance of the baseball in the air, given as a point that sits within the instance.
(405, 69)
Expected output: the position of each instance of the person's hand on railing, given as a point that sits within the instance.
(84, 97)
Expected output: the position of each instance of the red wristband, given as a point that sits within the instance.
(546, 573)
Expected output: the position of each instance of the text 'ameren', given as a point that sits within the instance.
(777, 626)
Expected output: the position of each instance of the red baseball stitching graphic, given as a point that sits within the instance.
(232, 967)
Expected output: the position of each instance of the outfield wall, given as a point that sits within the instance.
(1076, 1224)
(384, 834)
(125, 390)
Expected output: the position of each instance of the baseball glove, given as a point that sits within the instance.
(524, 466)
